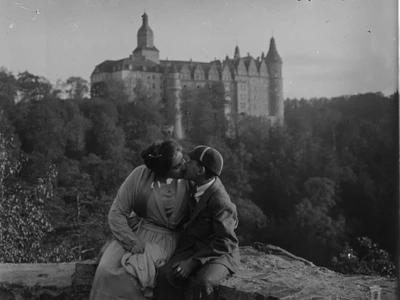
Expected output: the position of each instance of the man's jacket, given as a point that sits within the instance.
(210, 232)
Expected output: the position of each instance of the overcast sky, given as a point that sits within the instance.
(328, 47)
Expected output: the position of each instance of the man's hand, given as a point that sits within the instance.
(184, 268)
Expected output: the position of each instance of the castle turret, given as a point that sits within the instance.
(174, 97)
(145, 49)
(274, 65)
(237, 53)
(145, 37)
(274, 61)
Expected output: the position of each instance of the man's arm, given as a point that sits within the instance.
(223, 239)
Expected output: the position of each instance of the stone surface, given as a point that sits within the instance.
(59, 275)
(264, 276)
(261, 276)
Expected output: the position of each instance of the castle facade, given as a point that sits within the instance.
(252, 86)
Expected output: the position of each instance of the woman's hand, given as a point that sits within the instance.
(137, 248)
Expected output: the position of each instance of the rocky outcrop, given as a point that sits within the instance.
(261, 276)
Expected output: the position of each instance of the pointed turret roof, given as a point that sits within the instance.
(173, 69)
(237, 53)
(145, 25)
(145, 35)
(273, 56)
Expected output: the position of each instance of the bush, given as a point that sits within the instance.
(251, 220)
(368, 259)
(23, 221)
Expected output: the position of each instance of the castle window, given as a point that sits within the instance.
(148, 77)
(154, 86)
(154, 77)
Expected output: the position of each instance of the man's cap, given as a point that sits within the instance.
(208, 157)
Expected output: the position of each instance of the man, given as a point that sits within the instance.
(207, 250)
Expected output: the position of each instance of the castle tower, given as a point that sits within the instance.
(145, 49)
(145, 37)
(274, 65)
(174, 96)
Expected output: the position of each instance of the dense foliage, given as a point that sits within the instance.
(313, 186)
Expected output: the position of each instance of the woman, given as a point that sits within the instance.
(157, 196)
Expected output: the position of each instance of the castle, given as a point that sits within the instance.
(252, 86)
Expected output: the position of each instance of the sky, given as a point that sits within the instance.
(328, 47)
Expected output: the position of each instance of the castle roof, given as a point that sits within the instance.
(145, 28)
(109, 66)
(231, 64)
(273, 56)
(192, 65)
(177, 65)
(145, 37)
(247, 61)
(145, 48)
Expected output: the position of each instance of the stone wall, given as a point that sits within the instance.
(261, 276)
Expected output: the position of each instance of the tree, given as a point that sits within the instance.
(141, 121)
(112, 90)
(315, 222)
(252, 220)
(40, 126)
(108, 139)
(77, 216)
(77, 88)
(98, 89)
(203, 112)
(33, 87)
(8, 89)
(77, 127)
(23, 221)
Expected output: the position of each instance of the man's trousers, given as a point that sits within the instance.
(201, 284)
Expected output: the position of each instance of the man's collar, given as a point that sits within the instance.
(201, 189)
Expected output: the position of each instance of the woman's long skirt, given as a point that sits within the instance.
(111, 281)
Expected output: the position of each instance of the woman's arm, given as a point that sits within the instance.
(121, 210)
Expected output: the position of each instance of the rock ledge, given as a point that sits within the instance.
(261, 276)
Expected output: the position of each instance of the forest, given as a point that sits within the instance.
(324, 186)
